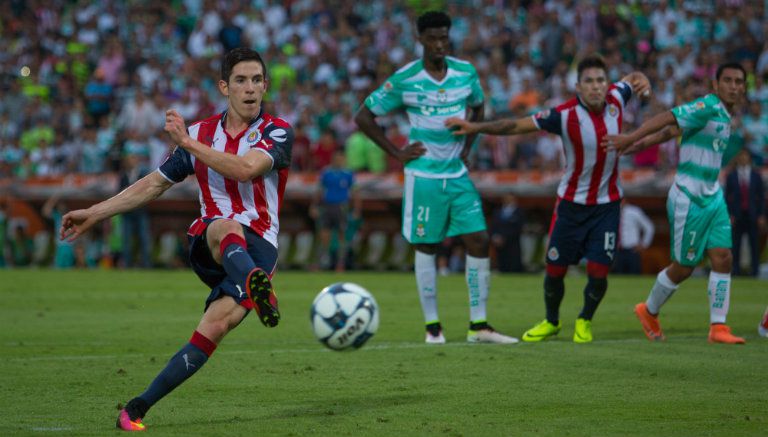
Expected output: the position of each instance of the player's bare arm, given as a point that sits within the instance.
(241, 168)
(640, 84)
(474, 115)
(647, 141)
(505, 126)
(654, 125)
(366, 121)
(150, 187)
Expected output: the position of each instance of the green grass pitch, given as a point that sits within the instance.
(75, 344)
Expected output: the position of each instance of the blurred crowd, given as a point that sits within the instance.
(85, 84)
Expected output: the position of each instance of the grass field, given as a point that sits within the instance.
(73, 345)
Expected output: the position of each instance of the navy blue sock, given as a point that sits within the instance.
(235, 259)
(554, 290)
(181, 366)
(593, 294)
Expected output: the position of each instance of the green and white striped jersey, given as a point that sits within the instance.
(428, 104)
(706, 126)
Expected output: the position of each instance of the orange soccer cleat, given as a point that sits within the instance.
(721, 333)
(650, 323)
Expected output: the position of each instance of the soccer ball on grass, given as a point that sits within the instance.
(344, 316)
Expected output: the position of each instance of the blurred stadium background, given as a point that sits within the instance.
(85, 85)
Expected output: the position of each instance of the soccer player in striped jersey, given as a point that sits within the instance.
(439, 199)
(697, 212)
(585, 222)
(240, 159)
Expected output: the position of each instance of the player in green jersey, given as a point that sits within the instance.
(698, 215)
(439, 198)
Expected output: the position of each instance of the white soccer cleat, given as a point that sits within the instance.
(435, 339)
(490, 336)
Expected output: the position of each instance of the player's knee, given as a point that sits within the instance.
(215, 330)
(722, 260)
(597, 270)
(556, 271)
(477, 244)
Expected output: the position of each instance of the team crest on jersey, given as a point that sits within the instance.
(420, 232)
(691, 254)
(253, 136)
(442, 96)
(700, 105)
(388, 86)
(553, 254)
(613, 110)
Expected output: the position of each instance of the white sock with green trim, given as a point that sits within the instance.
(660, 293)
(478, 276)
(719, 292)
(426, 281)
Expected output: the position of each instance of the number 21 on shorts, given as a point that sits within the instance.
(423, 214)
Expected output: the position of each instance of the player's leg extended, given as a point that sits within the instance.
(222, 316)
(719, 285)
(600, 249)
(227, 244)
(424, 226)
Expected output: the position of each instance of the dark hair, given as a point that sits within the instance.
(432, 19)
(591, 61)
(730, 65)
(235, 56)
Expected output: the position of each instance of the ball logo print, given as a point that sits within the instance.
(344, 316)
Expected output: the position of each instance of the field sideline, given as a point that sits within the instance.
(75, 344)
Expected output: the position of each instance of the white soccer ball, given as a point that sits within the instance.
(344, 315)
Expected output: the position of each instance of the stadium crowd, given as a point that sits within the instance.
(85, 84)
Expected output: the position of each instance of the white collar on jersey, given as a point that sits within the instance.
(250, 123)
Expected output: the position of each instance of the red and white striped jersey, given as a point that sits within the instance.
(592, 173)
(254, 203)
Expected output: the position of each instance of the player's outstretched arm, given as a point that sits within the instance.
(505, 126)
(654, 125)
(647, 141)
(241, 168)
(366, 121)
(76, 223)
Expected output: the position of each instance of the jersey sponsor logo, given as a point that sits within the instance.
(240, 290)
(542, 114)
(440, 110)
(279, 135)
(418, 86)
(553, 254)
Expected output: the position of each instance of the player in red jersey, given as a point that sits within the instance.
(586, 219)
(240, 159)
